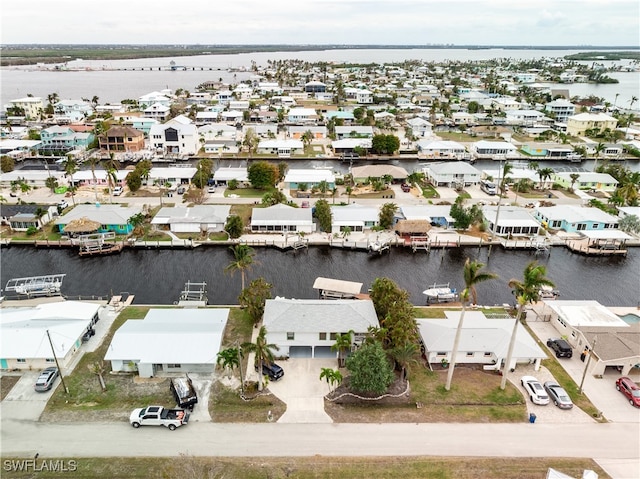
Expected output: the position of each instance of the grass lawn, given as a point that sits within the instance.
(245, 193)
(449, 135)
(428, 191)
(244, 211)
(319, 467)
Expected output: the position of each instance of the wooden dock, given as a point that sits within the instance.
(589, 249)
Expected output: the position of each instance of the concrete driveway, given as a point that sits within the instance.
(601, 392)
(302, 390)
(23, 402)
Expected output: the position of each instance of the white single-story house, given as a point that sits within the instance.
(451, 174)
(449, 150)
(194, 219)
(354, 131)
(493, 149)
(307, 328)
(169, 341)
(513, 176)
(23, 333)
(310, 177)
(282, 218)
(302, 115)
(512, 221)
(363, 173)
(355, 217)
(624, 211)
(176, 175)
(223, 175)
(86, 178)
(572, 218)
(482, 341)
(282, 148)
(588, 324)
(437, 215)
(347, 145)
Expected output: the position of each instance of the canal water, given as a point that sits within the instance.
(158, 276)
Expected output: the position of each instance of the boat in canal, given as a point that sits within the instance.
(441, 293)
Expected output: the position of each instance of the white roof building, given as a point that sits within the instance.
(355, 217)
(309, 176)
(169, 340)
(512, 221)
(228, 173)
(194, 219)
(282, 218)
(451, 173)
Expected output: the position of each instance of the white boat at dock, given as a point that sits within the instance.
(547, 292)
(441, 293)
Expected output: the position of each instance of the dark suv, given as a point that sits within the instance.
(561, 348)
(272, 370)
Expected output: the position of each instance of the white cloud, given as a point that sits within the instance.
(551, 19)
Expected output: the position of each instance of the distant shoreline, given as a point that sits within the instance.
(21, 54)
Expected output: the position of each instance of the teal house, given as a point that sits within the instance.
(111, 218)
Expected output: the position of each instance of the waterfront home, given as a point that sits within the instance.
(141, 123)
(33, 178)
(613, 343)
(74, 110)
(482, 341)
(282, 148)
(122, 138)
(515, 175)
(175, 175)
(199, 219)
(63, 139)
(493, 150)
(561, 109)
(155, 97)
(31, 105)
(420, 127)
(311, 178)
(511, 221)
(157, 111)
(302, 116)
(22, 216)
(283, 219)
(526, 118)
(354, 218)
(442, 149)
(549, 151)
(572, 218)
(463, 118)
(175, 137)
(296, 132)
(345, 115)
(267, 130)
(112, 217)
(169, 341)
(343, 132)
(436, 215)
(307, 328)
(362, 174)
(578, 125)
(588, 180)
(624, 211)
(506, 103)
(98, 177)
(17, 148)
(452, 174)
(224, 174)
(25, 333)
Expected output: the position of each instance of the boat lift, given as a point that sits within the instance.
(32, 286)
(194, 295)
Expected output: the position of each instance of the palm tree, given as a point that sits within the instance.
(600, 147)
(574, 177)
(111, 166)
(506, 169)
(263, 351)
(229, 358)
(93, 161)
(323, 187)
(334, 192)
(70, 168)
(332, 376)
(342, 345)
(403, 355)
(242, 260)
(348, 190)
(472, 276)
(544, 174)
(525, 291)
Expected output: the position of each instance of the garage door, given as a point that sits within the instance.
(300, 352)
(324, 352)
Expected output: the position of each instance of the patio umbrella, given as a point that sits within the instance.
(82, 225)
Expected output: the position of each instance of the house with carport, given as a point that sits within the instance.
(307, 328)
(493, 149)
(282, 148)
(452, 174)
(442, 149)
(282, 219)
(175, 340)
(354, 218)
(573, 218)
(198, 219)
(614, 343)
(482, 341)
(362, 174)
(224, 174)
(24, 343)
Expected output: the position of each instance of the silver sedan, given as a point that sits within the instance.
(558, 395)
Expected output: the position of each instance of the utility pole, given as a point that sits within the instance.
(66, 390)
(586, 366)
(495, 223)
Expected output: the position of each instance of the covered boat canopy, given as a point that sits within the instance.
(336, 288)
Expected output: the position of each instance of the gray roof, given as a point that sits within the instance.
(104, 214)
(280, 212)
(194, 214)
(319, 315)
(453, 167)
(355, 212)
(377, 171)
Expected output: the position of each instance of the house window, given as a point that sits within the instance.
(291, 336)
(333, 336)
(596, 226)
(322, 336)
(581, 226)
(440, 353)
(20, 360)
(470, 355)
(487, 355)
(173, 366)
(50, 360)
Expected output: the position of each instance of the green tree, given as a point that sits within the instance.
(7, 164)
(93, 162)
(332, 376)
(138, 221)
(307, 137)
(263, 353)
(250, 141)
(243, 260)
(254, 297)
(323, 214)
(342, 346)
(385, 144)
(263, 175)
(232, 184)
(395, 313)
(472, 275)
(303, 186)
(525, 291)
(323, 187)
(111, 166)
(51, 183)
(234, 226)
(229, 359)
(574, 177)
(404, 355)
(283, 166)
(465, 216)
(203, 173)
(387, 213)
(134, 181)
(274, 197)
(630, 224)
(370, 370)
(600, 147)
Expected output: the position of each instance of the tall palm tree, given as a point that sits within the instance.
(243, 255)
(525, 291)
(70, 168)
(111, 166)
(93, 161)
(404, 355)
(342, 345)
(506, 169)
(472, 275)
(263, 352)
(600, 147)
(574, 177)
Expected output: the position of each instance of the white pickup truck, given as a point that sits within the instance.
(159, 416)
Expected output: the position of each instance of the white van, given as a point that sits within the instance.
(488, 187)
(117, 191)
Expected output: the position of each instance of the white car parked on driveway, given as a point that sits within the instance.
(534, 389)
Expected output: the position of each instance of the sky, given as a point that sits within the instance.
(388, 22)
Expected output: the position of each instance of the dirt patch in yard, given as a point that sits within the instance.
(6, 384)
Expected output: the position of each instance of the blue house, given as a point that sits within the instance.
(115, 218)
(572, 218)
(63, 138)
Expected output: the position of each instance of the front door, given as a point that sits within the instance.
(3, 364)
